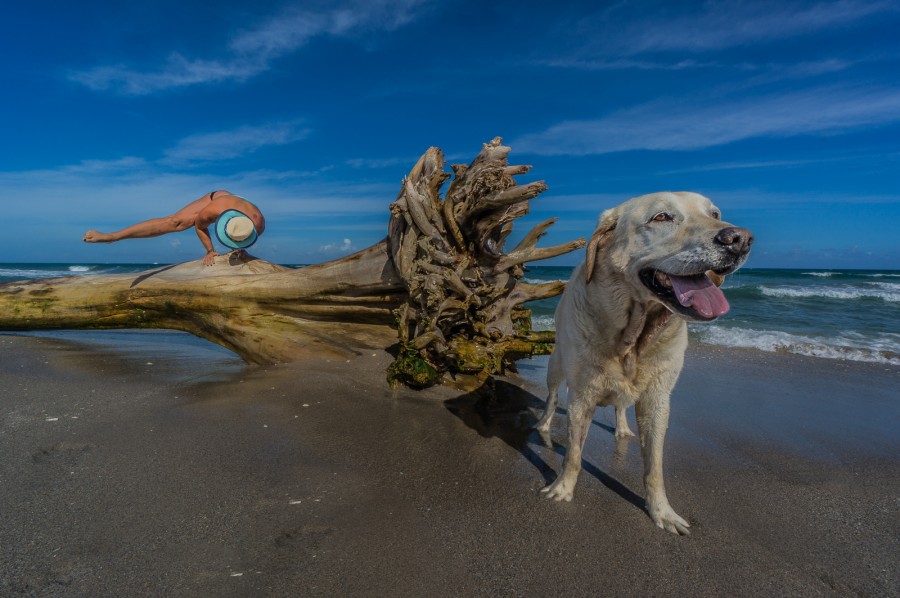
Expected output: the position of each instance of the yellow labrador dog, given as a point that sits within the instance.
(617, 342)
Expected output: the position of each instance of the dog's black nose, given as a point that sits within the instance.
(736, 240)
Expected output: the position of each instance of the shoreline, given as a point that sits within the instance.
(129, 472)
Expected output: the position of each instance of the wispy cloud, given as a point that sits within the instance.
(345, 247)
(675, 37)
(726, 24)
(408, 161)
(105, 196)
(405, 162)
(110, 191)
(748, 165)
(617, 64)
(687, 124)
(177, 71)
(859, 158)
(224, 145)
(251, 52)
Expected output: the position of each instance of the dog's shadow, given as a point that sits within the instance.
(503, 410)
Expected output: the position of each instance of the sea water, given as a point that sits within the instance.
(834, 314)
(831, 314)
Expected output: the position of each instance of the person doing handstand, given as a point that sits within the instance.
(237, 224)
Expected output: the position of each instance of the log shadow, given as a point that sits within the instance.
(147, 275)
(503, 410)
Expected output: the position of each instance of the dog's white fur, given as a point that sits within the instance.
(616, 342)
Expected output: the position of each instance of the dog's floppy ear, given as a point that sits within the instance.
(600, 239)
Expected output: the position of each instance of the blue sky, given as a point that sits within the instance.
(786, 114)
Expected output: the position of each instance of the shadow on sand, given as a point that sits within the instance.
(503, 410)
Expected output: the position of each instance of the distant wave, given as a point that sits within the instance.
(853, 347)
(885, 291)
(820, 274)
(25, 273)
(529, 280)
(28, 272)
(885, 349)
(882, 275)
(543, 323)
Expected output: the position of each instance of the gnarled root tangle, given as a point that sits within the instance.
(463, 318)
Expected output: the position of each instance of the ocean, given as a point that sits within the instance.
(831, 314)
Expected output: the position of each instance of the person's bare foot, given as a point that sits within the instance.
(93, 236)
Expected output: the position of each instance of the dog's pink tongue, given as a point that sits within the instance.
(700, 294)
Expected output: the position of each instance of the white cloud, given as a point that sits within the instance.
(860, 158)
(99, 195)
(345, 247)
(615, 64)
(54, 207)
(178, 71)
(251, 52)
(725, 24)
(678, 37)
(408, 161)
(294, 27)
(223, 145)
(686, 124)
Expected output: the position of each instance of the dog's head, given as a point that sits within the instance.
(671, 248)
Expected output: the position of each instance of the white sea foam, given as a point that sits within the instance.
(821, 274)
(882, 275)
(24, 273)
(80, 268)
(886, 291)
(853, 347)
(543, 323)
(529, 280)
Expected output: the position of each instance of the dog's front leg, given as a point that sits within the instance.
(581, 411)
(652, 411)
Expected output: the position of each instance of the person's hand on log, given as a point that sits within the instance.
(210, 258)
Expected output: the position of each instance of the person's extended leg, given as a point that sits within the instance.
(181, 220)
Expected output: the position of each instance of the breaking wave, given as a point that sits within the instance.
(885, 291)
(885, 348)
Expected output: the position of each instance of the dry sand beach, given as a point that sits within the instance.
(166, 467)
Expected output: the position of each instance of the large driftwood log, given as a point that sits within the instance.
(440, 283)
(263, 312)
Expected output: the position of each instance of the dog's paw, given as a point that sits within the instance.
(543, 425)
(667, 519)
(559, 490)
(623, 433)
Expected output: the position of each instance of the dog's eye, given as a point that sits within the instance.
(663, 217)
(716, 214)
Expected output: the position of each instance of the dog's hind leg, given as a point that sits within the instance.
(554, 379)
(581, 411)
(622, 429)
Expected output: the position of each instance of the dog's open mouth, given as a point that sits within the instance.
(694, 295)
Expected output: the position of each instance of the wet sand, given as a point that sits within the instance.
(165, 467)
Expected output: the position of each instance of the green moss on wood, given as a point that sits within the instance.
(413, 370)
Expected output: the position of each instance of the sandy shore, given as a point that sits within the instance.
(168, 468)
